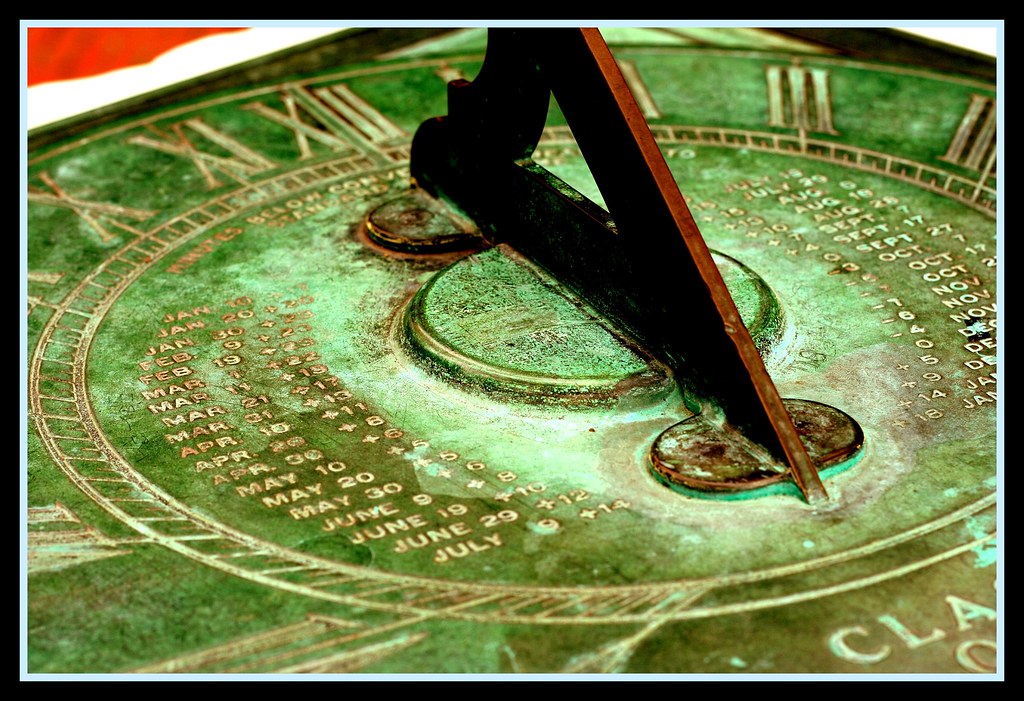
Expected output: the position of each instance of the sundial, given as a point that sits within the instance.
(309, 395)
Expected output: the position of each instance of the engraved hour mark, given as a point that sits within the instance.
(449, 73)
(303, 131)
(323, 644)
(639, 89)
(799, 98)
(72, 543)
(45, 278)
(974, 143)
(243, 163)
(94, 213)
(341, 117)
(359, 114)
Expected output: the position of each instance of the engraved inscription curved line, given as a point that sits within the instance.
(632, 602)
(955, 187)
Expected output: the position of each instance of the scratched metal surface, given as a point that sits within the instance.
(241, 460)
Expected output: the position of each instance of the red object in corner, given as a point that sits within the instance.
(62, 53)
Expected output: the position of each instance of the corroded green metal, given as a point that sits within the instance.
(497, 321)
(239, 461)
(632, 267)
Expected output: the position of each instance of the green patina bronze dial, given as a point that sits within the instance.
(288, 415)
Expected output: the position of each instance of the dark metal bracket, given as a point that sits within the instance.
(646, 266)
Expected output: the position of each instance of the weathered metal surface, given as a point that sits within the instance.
(634, 269)
(705, 454)
(235, 464)
(417, 223)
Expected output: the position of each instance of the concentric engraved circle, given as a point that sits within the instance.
(80, 416)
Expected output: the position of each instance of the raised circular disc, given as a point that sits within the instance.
(495, 322)
(416, 223)
(705, 456)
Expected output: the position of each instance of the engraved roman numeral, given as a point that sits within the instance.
(974, 143)
(799, 98)
(95, 213)
(359, 115)
(49, 514)
(319, 644)
(341, 119)
(303, 131)
(241, 165)
(44, 278)
(57, 548)
(449, 73)
(641, 94)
